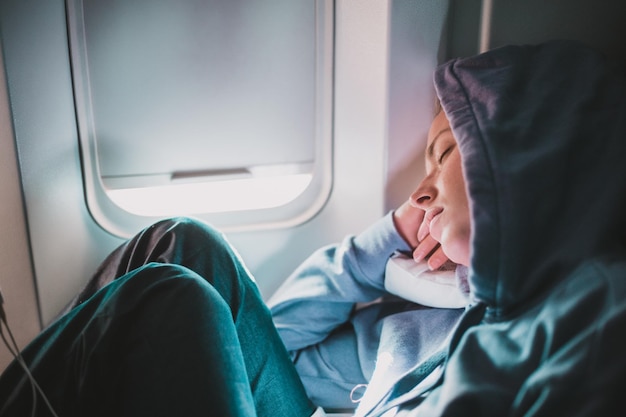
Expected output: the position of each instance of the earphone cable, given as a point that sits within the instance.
(20, 360)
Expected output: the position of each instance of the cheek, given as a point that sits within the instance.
(457, 237)
(455, 241)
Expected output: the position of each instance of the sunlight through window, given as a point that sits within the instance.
(211, 197)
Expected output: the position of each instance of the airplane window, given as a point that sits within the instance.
(219, 109)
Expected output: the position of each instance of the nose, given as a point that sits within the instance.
(424, 194)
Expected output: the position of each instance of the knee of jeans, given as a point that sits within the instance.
(193, 229)
(181, 278)
(204, 244)
(164, 285)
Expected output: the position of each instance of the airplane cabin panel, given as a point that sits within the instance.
(350, 113)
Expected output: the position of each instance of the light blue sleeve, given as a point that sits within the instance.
(320, 295)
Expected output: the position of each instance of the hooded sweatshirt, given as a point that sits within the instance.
(542, 134)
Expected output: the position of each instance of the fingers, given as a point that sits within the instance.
(425, 248)
(437, 259)
(423, 231)
(430, 249)
(408, 221)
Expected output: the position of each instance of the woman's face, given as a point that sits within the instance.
(442, 194)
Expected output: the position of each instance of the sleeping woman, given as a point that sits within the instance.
(524, 191)
(540, 135)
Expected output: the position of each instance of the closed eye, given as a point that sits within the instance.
(444, 153)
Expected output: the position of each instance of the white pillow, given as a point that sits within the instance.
(413, 281)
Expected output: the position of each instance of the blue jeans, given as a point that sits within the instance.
(171, 324)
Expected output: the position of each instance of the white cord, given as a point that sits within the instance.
(15, 351)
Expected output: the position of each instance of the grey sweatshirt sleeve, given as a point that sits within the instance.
(322, 292)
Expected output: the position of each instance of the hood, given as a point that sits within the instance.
(542, 134)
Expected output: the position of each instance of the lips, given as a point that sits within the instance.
(432, 213)
(432, 217)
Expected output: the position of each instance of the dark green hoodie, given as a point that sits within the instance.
(542, 133)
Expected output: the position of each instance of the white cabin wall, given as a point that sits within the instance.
(16, 277)
(417, 44)
(65, 243)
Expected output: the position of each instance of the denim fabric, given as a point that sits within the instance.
(171, 324)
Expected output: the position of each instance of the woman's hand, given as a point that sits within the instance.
(409, 221)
